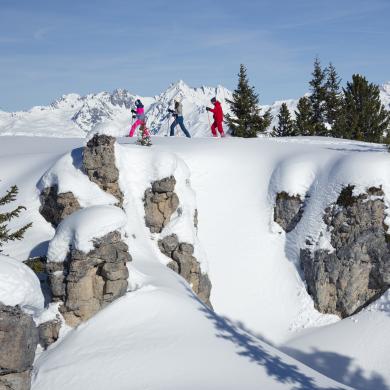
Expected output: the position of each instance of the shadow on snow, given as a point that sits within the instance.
(251, 348)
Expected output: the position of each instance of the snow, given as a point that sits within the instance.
(161, 337)
(20, 286)
(320, 179)
(74, 116)
(158, 335)
(80, 228)
(385, 94)
(67, 175)
(353, 351)
(139, 167)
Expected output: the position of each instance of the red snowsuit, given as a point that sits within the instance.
(218, 119)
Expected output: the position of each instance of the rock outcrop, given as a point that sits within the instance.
(49, 332)
(160, 203)
(18, 341)
(99, 164)
(185, 264)
(288, 210)
(357, 272)
(57, 206)
(87, 282)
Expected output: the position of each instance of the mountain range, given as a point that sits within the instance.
(73, 115)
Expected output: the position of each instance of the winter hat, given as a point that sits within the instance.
(213, 100)
(138, 103)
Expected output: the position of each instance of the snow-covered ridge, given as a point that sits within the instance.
(73, 115)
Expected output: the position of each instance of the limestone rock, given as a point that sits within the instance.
(87, 282)
(288, 210)
(55, 207)
(358, 270)
(49, 332)
(18, 341)
(16, 381)
(185, 264)
(160, 203)
(99, 164)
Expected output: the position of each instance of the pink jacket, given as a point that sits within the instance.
(140, 112)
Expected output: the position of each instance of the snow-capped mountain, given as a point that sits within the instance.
(385, 94)
(73, 115)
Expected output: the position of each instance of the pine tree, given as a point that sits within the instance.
(5, 233)
(143, 136)
(332, 95)
(363, 116)
(303, 124)
(286, 124)
(246, 121)
(317, 98)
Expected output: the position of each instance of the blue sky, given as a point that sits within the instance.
(49, 48)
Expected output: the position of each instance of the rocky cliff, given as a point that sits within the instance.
(99, 164)
(357, 271)
(160, 203)
(86, 282)
(19, 339)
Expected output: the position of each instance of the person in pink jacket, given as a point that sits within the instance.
(139, 113)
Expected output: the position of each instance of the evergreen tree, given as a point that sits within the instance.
(143, 136)
(286, 124)
(303, 124)
(246, 121)
(317, 98)
(332, 95)
(363, 116)
(5, 233)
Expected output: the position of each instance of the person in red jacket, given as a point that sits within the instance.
(218, 117)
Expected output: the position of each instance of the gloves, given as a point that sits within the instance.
(133, 111)
(134, 116)
(208, 109)
(170, 111)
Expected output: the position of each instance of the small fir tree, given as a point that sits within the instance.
(247, 120)
(317, 98)
(303, 124)
(332, 95)
(143, 136)
(285, 126)
(363, 116)
(5, 217)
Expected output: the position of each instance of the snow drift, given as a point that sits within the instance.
(159, 335)
(20, 286)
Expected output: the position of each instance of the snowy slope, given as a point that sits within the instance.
(161, 337)
(160, 327)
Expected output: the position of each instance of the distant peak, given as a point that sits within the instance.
(180, 84)
(386, 87)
